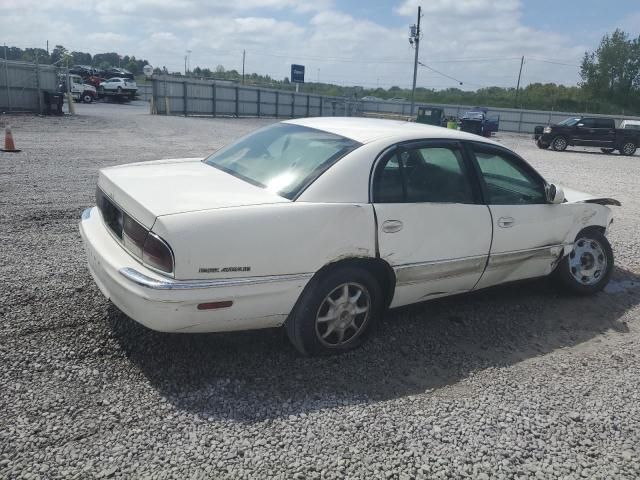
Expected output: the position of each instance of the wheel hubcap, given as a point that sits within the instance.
(628, 148)
(587, 261)
(560, 144)
(343, 314)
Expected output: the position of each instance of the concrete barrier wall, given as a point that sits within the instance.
(22, 84)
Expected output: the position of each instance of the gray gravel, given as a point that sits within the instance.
(513, 382)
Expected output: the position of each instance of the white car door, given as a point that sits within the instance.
(528, 231)
(432, 227)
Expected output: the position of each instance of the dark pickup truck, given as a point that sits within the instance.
(588, 132)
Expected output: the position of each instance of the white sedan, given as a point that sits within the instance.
(320, 224)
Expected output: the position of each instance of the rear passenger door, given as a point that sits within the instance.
(595, 132)
(432, 227)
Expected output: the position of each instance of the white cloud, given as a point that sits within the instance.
(333, 44)
(108, 38)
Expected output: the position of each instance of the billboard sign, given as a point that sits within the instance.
(297, 73)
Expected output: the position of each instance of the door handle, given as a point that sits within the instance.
(392, 226)
(506, 222)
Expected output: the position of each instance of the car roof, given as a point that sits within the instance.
(366, 130)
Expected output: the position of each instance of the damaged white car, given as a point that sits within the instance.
(320, 224)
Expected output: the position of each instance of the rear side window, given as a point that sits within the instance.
(430, 174)
(605, 123)
(508, 181)
(588, 122)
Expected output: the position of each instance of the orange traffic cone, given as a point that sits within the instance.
(9, 146)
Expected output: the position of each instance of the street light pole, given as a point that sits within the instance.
(414, 39)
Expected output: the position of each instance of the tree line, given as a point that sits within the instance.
(609, 80)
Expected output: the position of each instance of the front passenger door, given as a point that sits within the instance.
(528, 232)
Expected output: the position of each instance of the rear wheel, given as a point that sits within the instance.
(628, 148)
(559, 144)
(336, 312)
(607, 150)
(587, 269)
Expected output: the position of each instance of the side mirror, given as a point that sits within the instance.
(555, 194)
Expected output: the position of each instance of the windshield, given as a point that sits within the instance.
(570, 122)
(472, 115)
(283, 158)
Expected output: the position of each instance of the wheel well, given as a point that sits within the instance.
(592, 228)
(380, 269)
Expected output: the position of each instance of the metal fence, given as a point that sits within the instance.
(511, 119)
(180, 96)
(22, 85)
(214, 98)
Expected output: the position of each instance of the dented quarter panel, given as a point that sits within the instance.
(272, 239)
(540, 236)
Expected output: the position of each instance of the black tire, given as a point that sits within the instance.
(305, 331)
(607, 150)
(541, 145)
(566, 273)
(628, 148)
(87, 98)
(559, 143)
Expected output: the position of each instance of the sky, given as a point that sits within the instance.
(476, 42)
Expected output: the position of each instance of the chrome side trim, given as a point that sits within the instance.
(504, 259)
(439, 269)
(141, 279)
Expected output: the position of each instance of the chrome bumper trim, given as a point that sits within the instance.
(154, 284)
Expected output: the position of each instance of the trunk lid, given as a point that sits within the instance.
(147, 190)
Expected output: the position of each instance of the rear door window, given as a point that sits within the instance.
(605, 123)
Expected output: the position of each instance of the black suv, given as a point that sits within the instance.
(588, 132)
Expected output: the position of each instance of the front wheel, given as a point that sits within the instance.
(541, 145)
(628, 148)
(87, 98)
(587, 269)
(559, 144)
(335, 312)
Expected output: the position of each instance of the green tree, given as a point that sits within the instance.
(612, 72)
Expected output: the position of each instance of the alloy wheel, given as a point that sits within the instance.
(343, 314)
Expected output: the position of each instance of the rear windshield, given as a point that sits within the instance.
(283, 158)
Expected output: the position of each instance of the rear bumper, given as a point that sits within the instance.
(169, 305)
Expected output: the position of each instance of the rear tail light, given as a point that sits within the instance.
(135, 238)
(133, 235)
(157, 254)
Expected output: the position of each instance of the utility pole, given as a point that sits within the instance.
(518, 86)
(244, 53)
(47, 48)
(185, 65)
(414, 39)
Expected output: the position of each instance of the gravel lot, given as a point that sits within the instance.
(513, 382)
